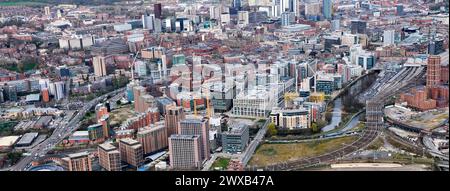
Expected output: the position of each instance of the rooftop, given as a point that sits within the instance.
(8, 141)
(27, 138)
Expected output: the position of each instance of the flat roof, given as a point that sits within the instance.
(81, 133)
(8, 141)
(129, 141)
(107, 147)
(28, 138)
(78, 155)
(32, 97)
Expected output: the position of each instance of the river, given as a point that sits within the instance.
(337, 116)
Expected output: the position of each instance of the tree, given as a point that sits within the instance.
(315, 128)
(14, 157)
(271, 130)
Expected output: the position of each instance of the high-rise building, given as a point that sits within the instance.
(100, 110)
(174, 114)
(388, 37)
(148, 21)
(327, 9)
(157, 9)
(131, 152)
(358, 27)
(109, 157)
(104, 121)
(185, 151)
(237, 4)
(99, 63)
(45, 95)
(243, 18)
(436, 46)
(433, 70)
(47, 10)
(95, 131)
(287, 18)
(153, 138)
(399, 10)
(78, 162)
(200, 127)
(214, 12)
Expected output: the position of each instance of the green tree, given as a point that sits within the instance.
(271, 130)
(14, 157)
(315, 128)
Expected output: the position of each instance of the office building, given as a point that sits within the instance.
(366, 60)
(185, 151)
(327, 9)
(287, 18)
(200, 127)
(109, 157)
(174, 115)
(131, 152)
(47, 10)
(78, 162)
(399, 10)
(157, 9)
(148, 21)
(436, 46)
(152, 138)
(358, 27)
(243, 18)
(388, 37)
(99, 63)
(236, 139)
(325, 85)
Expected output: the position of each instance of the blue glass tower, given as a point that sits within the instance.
(327, 5)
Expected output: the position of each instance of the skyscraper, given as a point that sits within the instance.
(200, 127)
(327, 9)
(287, 18)
(433, 70)
(174, 114)
(185, 151)
(109, 157)
(99, 63)
(157, 10)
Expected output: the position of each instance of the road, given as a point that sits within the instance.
(68, 126)
(246, 155)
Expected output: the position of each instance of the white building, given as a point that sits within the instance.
(388, 37)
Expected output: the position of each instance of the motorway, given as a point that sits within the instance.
(66, 128)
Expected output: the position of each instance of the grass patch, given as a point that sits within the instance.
(376, 144)
(221, 163)
(268, 154)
